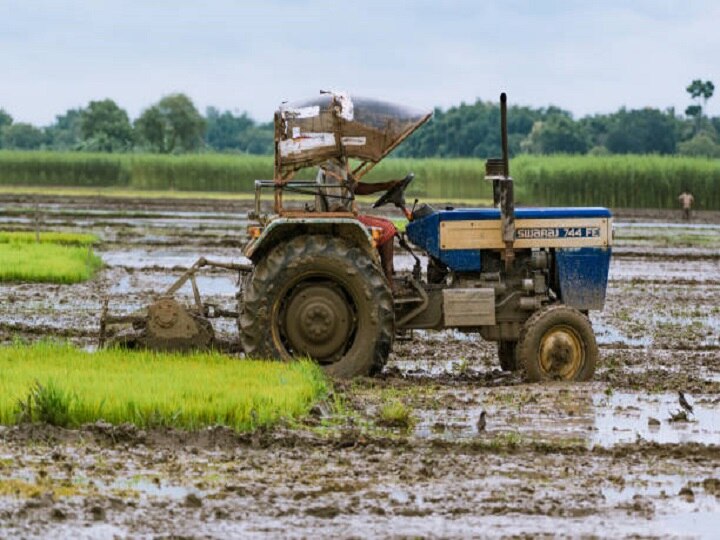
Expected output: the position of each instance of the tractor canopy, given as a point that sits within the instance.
(336, 125)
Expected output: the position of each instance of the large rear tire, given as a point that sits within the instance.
(318, 297)
(558, 343)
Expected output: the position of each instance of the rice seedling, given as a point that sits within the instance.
(395, 413)
(59, 384)
(45, 237)
(47, 262)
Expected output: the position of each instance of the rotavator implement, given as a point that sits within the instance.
(523, 277)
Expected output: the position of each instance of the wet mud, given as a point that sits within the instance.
(608, 458)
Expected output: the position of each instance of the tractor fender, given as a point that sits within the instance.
(282, 229)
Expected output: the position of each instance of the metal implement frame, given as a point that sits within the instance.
(189, 275)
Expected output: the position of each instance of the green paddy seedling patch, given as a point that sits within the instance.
(47, 262)
(48, 237)
(60, 384)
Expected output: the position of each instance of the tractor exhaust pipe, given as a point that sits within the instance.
(498, 170)
(503, 135)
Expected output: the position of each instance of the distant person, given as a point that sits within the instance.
(686, 200)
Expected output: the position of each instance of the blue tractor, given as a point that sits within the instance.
(317, 287)
(525, 278)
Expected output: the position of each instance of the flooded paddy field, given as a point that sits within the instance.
(607, 458)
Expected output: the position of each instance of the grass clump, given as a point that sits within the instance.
(47, 262)
(45, 403)
(62, 385)
(13, 487)
(395, 413)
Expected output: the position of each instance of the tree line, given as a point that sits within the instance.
(174, 125)
(472, 130)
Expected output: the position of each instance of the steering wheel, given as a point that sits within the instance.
(395, 194)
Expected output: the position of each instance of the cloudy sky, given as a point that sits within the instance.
(585, 56)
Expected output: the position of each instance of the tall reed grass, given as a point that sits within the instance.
(60, 384)
(615, 181)
(63, 169)
(626, 181)
(434, 178)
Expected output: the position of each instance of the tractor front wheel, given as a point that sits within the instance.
(558, 343)
(318, 297)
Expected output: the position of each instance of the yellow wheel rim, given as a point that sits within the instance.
(561, 353)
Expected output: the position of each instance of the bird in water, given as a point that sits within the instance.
(481, 422)
(684, 403)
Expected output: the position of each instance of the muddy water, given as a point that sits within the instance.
(360, 487)
(604, 458)
(581, 415)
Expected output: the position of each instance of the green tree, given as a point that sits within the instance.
(5, 118)
(558, 134)
(715, 123)
(699, 90)
(702, 144)
(642, 131)
(105, 127)
(227, 131)
(22, 136)
(172, 125)
(597, 128)
(66, 132)
(150, 129)
(473, 130)
(258, 139)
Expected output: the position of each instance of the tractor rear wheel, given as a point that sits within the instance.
(507, 355)
(318, 297)
(558, 343)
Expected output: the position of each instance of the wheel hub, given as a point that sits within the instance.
(318, 321)
(561, 352)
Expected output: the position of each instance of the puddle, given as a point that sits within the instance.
(155, 282)
(651, 227)
(642, 269)
(149, 488)
(607, 334)
(567, 413)
(162, 258)
(623, 418)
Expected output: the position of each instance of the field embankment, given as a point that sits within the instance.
(628, 181)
